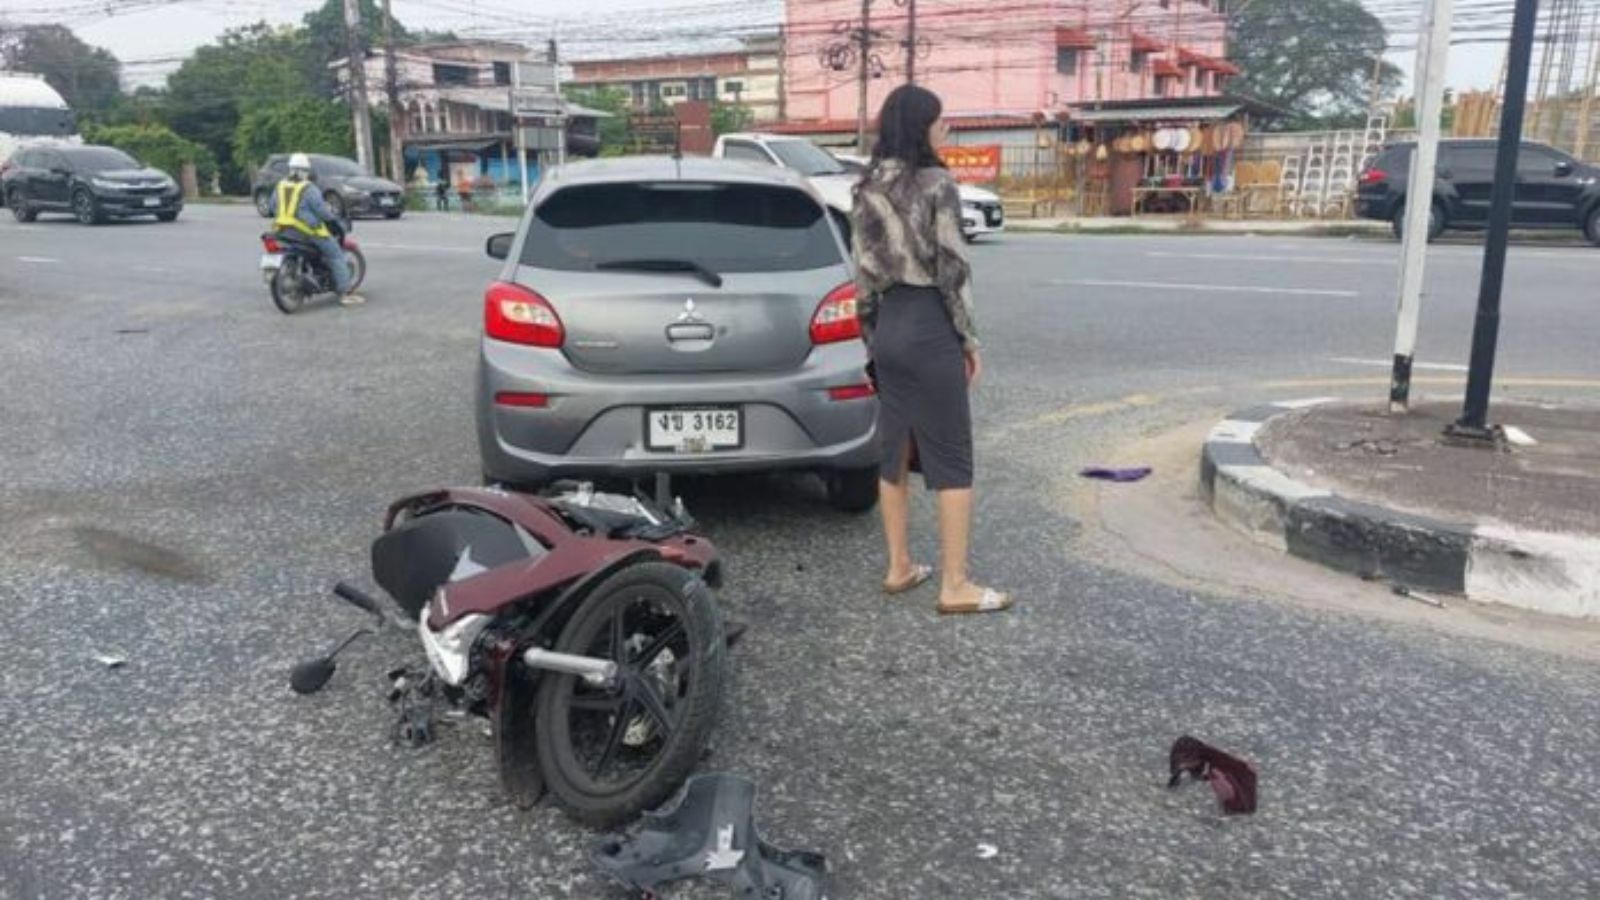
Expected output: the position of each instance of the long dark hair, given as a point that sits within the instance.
(908, 113)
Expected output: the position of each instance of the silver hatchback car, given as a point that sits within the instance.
(687, 316)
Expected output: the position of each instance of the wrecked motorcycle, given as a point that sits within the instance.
(580, 624)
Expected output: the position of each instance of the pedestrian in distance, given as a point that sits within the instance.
(441, 194)
(914, 299)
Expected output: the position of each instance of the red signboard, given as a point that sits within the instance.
(973, 165)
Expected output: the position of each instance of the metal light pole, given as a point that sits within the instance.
(1432, 50)
(911, 42)
(865, 39)
(1473, 424)
(397, 116)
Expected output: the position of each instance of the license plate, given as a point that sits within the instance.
(385, 201)
(152, 201)
(694, 430)
(271, 261)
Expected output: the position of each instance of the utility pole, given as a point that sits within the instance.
(1582, 142)
(356, 59)
(864, 48)
(911, 42)
(397, 115)
(1473, 425)
(1433, 45)
(1545, 54)
(561, 105)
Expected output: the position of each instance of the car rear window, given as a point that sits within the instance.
(724, 227)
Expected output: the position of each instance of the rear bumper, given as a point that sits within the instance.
(1378, 207)
(374, 204)
(595, 425)
(982, 221)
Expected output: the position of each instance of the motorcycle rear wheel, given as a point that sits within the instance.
(660, 623)
(288, 287)
(358, 267)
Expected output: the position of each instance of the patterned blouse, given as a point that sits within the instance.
(907, 230)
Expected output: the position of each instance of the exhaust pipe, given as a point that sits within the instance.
(598, 672)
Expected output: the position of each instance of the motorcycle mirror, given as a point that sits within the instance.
(310, 676)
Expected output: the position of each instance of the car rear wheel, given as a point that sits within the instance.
(168, 216)
(853, 490)
(85, 208)
(20, 210)
(264, 204)
(1436, 222)
(1591, 226)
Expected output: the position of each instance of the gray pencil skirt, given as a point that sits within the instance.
(922, 389)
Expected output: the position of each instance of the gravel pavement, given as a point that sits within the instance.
(187, 470)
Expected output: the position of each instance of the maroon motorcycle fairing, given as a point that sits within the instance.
(571, 557)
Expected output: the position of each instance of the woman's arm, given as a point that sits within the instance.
(860, 268)
(951, 269)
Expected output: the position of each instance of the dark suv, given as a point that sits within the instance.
(349, 190)
(93, 183)
(1553, 190)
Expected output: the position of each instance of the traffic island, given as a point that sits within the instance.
(1388, 498)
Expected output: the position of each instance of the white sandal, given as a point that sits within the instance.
(991, 601)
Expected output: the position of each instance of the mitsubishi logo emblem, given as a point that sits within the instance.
(689, 314)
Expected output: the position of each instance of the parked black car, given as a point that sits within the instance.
(1553, 189)
(349, 190)
(93, 183)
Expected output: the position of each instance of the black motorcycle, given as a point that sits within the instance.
(295, 270)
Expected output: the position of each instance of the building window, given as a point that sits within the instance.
(1066, 61)
(734, 87)
(445, 74)
(1199, 78)
(1136, 61)
(502, 73)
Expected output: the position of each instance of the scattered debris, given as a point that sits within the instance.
(1401, 590)
(709, 830)
(131, 331)
(1231, 778)
(1519, 437)
(1119, 476)
(988, 851)
(111, 660)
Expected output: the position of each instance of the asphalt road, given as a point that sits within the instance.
(187, 470)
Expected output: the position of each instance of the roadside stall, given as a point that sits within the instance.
(1160, 157)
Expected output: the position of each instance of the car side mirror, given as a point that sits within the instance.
(499, 245)
(1563, 169)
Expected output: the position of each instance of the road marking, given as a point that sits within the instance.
(1387, 364)
(1239, 257)
(38, 259)
(1212, 288)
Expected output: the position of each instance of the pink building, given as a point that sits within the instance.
(989, 58)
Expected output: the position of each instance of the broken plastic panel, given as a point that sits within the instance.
(709, 830)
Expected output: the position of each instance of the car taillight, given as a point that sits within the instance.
(524, 399)
(270, 244)
(1373, 176)
(851, 392)
(515, 314)
(835, 319)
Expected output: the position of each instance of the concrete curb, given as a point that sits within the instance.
(1545, 572)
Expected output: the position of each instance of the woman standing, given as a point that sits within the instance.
(915, 302)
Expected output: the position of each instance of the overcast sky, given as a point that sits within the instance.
(148, 34)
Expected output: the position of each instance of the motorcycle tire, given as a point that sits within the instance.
(288, 287)
(358, 267)
(673, 723)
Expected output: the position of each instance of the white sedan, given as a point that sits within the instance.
(981, 211)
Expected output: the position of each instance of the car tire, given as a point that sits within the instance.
(264, 204)
(336, 205)
(392, 215)
(20, 210)
(85, 208)
(853, 490)
(1436, 222)
(1591, 225)
(167, 216)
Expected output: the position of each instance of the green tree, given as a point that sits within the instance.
(307, 125)
(325, 37)
(246, 69)
(616, 135)
(1314, 59)
(156, 146)
(730, 117)
(88, 78)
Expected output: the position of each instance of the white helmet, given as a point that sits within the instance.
(301, 163)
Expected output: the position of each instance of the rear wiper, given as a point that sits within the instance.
(661, 265)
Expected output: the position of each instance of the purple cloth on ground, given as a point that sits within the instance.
(1118, 475)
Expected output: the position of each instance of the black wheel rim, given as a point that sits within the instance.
(84, 207)
(610, 739)
(263, 205)
(336, 205)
